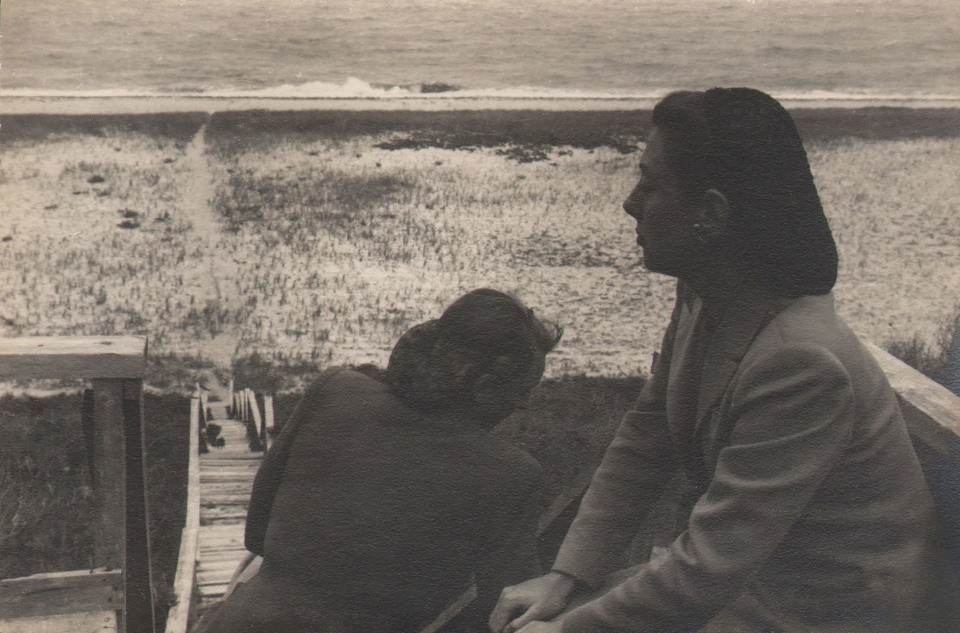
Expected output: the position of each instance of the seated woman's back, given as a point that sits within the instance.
(384, 509)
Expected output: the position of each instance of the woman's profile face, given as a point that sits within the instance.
(664, 218)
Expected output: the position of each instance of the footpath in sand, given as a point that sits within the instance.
(213, 277)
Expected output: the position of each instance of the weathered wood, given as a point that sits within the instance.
(245, 404)
(113, 430)
(179, 615)
(61, 593)
(138, 613)
(109, 471)
(268, 412)
(226, 477)
(931, 399)
(932, 415)
(87, 421)
(204, 404)
(69, 357)
(453, 609)
(89, 622)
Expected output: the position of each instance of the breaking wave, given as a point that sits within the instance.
(354, 88)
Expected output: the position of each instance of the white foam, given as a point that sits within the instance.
(354, 88)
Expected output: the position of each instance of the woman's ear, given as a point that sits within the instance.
(713, 214)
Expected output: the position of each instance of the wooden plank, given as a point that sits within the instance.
(226, 513)
(109, 473)
(220, 495)
(69, 357)
(226, 544)
(61, 593)
(213, 593)
(453, 609)
(268, 412)
(216, 576)
(232, 551)
(219, 564)
(228, 474)
(227, 484)
(90, 622)
(222, 530)
(211, 542)
(933, 400)
(138, 612)
(178, 617)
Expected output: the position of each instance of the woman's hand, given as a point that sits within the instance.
(540, 598)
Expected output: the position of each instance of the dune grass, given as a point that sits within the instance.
(338, 230)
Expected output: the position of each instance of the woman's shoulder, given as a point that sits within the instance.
(808, 321)
(344, 379)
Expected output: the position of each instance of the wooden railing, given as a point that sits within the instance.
(244, 407)
(116, 365)
(932, 414)
(180, 615)
(119, 588)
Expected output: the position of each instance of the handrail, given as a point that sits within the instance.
(931, 412)
(921, 395)
(178, 618)
(116, 366)
(69, 357)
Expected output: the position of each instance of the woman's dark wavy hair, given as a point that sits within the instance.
(434, 365)
(744, 144)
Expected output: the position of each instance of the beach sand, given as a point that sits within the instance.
(890, 203)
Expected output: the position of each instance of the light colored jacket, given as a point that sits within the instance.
(811, 511)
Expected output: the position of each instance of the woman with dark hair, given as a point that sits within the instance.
(380, 502)
(808, 510)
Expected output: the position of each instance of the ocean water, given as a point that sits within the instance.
(382, 48)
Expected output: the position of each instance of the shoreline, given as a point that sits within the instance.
(152, 104)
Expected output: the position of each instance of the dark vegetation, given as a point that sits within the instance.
(47, 511)
(334, 198)
(462, 129)
(176, 126)
(266, 376)
(173, 372)
(531, 130)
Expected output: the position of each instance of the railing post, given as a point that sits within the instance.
(268, 413)
(113, 428)
(183, 585)
(121, 539)
(108, 473)
(137, 571)
(258, 425)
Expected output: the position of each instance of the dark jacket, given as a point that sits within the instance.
(811, 511)
(371, 517)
